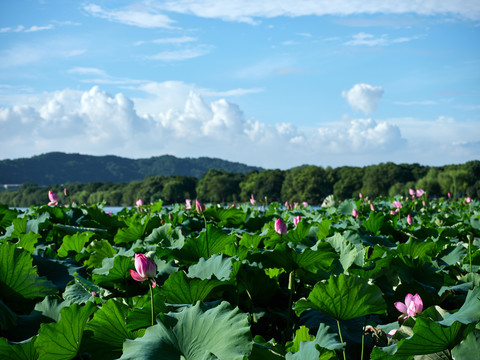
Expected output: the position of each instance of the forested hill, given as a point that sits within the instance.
(62, 168)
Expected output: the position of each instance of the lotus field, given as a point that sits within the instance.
(392, 278)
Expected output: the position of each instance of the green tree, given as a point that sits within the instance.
(306, 183)
(219, 186)
(264, 184)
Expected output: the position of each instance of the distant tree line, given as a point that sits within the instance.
(304, 183)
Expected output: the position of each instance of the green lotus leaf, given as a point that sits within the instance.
(83, 290)
(133, 232)
(179, 289)
(470, 345)
(195, 334)
(18, 277)
(141, 314)
(301, 334)
(468, 313)
(74, 243)
(349, 254)
(7, 317)
(219, 266)
(317, 257)
(323, 343)
(106, 332)
(344, 297)
(99, 250)
(430, 337)
(114, 270)
(168, 237)
(374, 222)
(24, 350)
(209, 242)
(62, 340)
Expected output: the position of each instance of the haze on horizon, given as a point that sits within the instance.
(275, 84)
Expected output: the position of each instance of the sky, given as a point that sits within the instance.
(271, 83)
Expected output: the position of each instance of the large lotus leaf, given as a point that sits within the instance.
(179, 289)
(349, 254)
(346, 207)
(323, 342)
(250, 241)
(209, 242)
(170, 238)
(317, 257)
(133, 232)
(74, 243)
(23, 225)
(141, 315)
(344, 297)
(470, 345)
(468, 313)
(323, 229)
(417, 248)
(230, 216)
(28, 241)
(18, 277)
(99, 250)
(301, 334)
(454, 255)
(6, 216)
(430, 337)
(83, 290)
(195, 334)
(24, 350)
(59, 272)
(374, 222)
(300, 235)
(62, 340)
(113, 271)
(106, 332)
(219, 266)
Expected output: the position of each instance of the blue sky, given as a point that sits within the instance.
(275, 84)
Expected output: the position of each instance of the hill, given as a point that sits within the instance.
(62, 168)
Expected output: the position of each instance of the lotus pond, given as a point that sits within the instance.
(392, 278)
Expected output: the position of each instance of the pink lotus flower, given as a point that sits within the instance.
(397, 204)
(372, 207)
(305, 203)
(146, 269)
(199, 207)
(413, 305)
(392, 212)
(66, 192)
(280, 227)
(468, 199)
(409, 219)
(139, 202)
(420, 192)
(188, 204)
(360, 195)
(252, 200)
(449, 195)
(392, 332)
(53, 198)
(355, 213)
(296, 220)
(411, 192)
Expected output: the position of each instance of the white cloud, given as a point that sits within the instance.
(371, 40)
(185, 124)
(141, 17)
(162, 41)
(182, 54)
(248, 11)
(21, 28)
(363, 97)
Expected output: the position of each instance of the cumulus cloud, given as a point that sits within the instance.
(96, 122)
(363, 97)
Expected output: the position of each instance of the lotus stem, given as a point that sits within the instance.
(341, 339)
(291, 290)
(151, 299)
